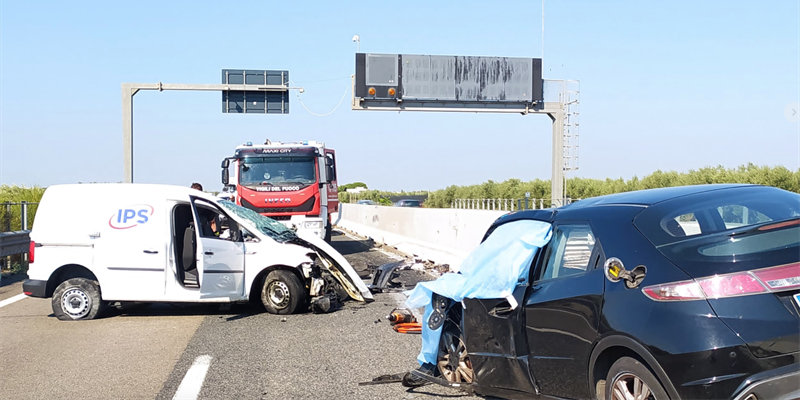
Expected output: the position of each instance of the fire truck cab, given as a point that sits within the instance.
(291, 182)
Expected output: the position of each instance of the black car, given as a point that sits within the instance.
(675, 293)
(408, 203)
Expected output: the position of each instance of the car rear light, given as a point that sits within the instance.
(686, 290)
(784, 277)
(772, 279)
(730, 285)
(31, 251)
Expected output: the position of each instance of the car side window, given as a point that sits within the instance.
(569, 252)
(213, 224)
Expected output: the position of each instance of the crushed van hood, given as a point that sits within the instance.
(340, 268)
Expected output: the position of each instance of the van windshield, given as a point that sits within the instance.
(265, 225)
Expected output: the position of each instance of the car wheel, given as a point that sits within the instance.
(629, 379)
(282, 292)
(77, 299)
(453, 362)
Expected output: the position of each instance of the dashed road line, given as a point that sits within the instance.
(193, 381)
(12, 300)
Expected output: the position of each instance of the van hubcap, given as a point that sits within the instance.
(278, 294)
(76, 303)
(630, 387)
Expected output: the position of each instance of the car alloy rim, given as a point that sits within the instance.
(454, 365)
(76, 303)
(278, 294)
(628, 386)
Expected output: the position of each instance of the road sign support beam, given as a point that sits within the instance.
(555, 110)
(130, 89)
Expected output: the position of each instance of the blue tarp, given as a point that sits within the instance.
(491, 271)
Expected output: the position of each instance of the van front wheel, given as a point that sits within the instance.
(77, 299)
(282, 292)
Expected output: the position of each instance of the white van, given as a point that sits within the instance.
(94, 244)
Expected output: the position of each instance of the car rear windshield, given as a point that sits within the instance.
(726, 230)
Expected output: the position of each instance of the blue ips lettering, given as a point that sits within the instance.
(128, 215)
(119, 216)
(142, 214)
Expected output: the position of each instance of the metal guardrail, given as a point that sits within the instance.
(14, 243)
(505, 204)
(14, 231)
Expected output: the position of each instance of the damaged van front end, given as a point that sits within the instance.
(332, 261)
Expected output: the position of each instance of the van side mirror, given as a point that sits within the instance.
(236, 233)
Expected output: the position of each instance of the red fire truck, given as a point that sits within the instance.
(294, 183)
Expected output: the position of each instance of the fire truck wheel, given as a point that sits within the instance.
(282, 292)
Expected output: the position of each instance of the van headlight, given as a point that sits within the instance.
(313, 225)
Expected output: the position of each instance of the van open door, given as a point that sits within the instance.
(219, 252)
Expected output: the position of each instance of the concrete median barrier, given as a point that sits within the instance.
(442, 235)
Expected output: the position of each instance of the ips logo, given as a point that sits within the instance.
(126, 218)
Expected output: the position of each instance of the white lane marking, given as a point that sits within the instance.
(193, 381)
(350, 236)
(390, 255)
(12, 300)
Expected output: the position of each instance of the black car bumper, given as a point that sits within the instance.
(778, 384)
(35, 288)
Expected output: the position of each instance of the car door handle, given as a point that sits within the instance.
(209, 253)
(151, 251)
(250, 252)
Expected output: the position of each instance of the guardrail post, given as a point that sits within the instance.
(8, 217)
(526, 203)
(24, 215)
(541, 203)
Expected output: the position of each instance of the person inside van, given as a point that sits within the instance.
(197, 186)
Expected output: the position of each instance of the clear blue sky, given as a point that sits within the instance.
(664, 85)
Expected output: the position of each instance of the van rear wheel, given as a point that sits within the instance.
(282, 293)
(77, 299)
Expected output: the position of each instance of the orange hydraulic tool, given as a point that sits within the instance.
(400, 315)
(408, 327)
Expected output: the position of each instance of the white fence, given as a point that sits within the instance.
(504, 204)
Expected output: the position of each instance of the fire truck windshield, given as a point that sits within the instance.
(277, 171)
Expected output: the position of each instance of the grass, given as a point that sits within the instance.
(11, 217)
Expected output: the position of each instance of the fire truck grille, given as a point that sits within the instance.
(308, 205)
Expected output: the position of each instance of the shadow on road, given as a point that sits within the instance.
(345, 245)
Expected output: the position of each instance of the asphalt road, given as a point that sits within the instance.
(146, 353)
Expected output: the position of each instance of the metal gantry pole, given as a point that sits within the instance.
(130, 89)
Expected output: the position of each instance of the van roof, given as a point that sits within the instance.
(167, 191)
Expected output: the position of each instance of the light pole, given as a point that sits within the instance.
(357, 39)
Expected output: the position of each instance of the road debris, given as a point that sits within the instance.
(393, 378)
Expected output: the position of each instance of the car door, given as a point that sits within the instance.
(221, 253)
(562, 310)
(495, 339)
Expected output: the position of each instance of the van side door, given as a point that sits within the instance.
(220, 251)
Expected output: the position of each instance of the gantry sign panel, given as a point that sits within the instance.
(255, 101)
(463, 79)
